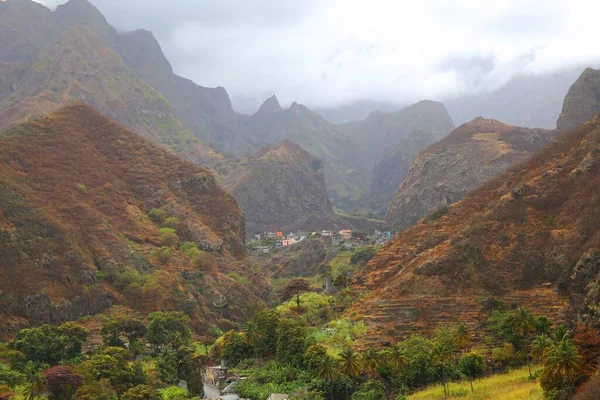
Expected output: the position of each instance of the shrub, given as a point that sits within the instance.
(168, 237)
(363, 255)
(164, 254)
(238, 278)
(157, 215)
(81, 188)
(190, 249)
(171, 222)
(10, 377)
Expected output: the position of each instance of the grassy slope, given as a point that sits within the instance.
(514, 385)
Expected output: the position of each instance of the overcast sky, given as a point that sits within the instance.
(327, 52)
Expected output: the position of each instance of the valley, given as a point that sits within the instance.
(157, 244)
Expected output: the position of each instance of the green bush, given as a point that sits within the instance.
(238, 278)
(190, 249)
(168, 237)
(157, 215)
(81, 188)
(171, 222)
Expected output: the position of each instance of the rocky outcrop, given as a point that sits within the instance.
(582, 101)
(446, 171)
(280, 188)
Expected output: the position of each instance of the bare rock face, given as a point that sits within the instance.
(445, 172)
(582, 101)
(282, 187)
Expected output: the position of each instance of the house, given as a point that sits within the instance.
(336, 240)
(326, 233)
(279, 235)
(346, 234)
(270, 235)
(263, 249)
(287, 242)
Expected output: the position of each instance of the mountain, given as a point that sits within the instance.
(81, 64)
(92, 215)
(582, 101)
(79, 57)
(446, 171)
(388, 144)
(355, 111)
(391, 170)
(530, 236)
(281, 188)
(207, 111)
(532, 101)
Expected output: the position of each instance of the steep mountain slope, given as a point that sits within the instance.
(532, 101)
(281, 187)
(582, 101)
(351, 151)
(530, 236)
(446, 171)
(82, 66)
(271, 124)
(26, 28)
(76, 237)
(207, 111)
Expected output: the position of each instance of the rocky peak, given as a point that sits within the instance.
(271, 105)
(582, 101)
(81, 12)
(143, 51)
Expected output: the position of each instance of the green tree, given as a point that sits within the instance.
(371, 360)
(563, 364)
(141, 392)
(462, 337)
(291, 341)
(97, 390)
(540, 348)
(327, 369)
(267, 322)
(294, 288)
(10, 377)
(370, 390)
(114, 329)
(314, 355)
(472, 365)
(168, 328)
(252, 336)
(396, 357)
(443, 352)
(234, 348)
(350, 362)
(522, 323)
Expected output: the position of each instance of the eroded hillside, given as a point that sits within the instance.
(92, 216)
(445, 172)
(530, 236)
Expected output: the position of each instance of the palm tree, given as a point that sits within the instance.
(522, 323)
(371, 361)
(327, 369)
(540, 348)
(442, 353)
(561, 333)
(397, 357)
(252, 336)
(35, 388)
(564, 361)
(350, 362)
(462, 337)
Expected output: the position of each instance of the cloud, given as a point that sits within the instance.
(327, 52)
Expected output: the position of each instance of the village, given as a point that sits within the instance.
(266, 242)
